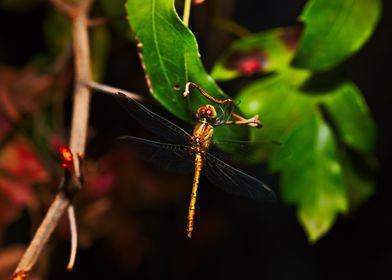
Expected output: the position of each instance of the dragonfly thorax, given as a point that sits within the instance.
(202, 136)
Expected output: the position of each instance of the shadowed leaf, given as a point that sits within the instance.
(314, 181)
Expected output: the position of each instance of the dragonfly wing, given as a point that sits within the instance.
(172, 157)
(235, 181)
(153, 122)
(249, 151)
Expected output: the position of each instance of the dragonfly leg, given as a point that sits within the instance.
(254, 121)
(202, 91)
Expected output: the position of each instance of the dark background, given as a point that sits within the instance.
(234, 237)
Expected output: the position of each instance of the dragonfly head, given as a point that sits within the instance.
(207, 112)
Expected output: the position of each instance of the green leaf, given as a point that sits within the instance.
(359, 180)
(313, 177)
(264, 52)
(276, 100)
(351, 117)
(170, 55)
(314, 180)
(334, 31)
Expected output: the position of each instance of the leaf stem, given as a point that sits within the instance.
(187, 12)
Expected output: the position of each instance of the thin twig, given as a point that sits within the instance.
(64, 7)
(94, 22)
(78, 14)
(112, 90)
(81, 105)
(74, 237)
(41, 237)
(98, 21)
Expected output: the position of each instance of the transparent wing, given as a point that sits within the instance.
(153, 122)
(173, 157)
(249, 151)
(235, 181)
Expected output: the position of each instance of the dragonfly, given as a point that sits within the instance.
(186, 152)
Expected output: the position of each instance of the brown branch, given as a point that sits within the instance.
(45, 230)
(64, 7)
(81, 100)
(94, 22)
(78, 14)
(112, 90)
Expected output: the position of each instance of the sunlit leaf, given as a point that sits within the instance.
(170, 56)
(314, 181)
(276, 100)
(334, 30)
(263, 52)
(313, 176)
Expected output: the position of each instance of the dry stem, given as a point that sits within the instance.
(112, 90)
(78, 15)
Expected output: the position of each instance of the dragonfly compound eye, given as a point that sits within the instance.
(207, 111)
(210, 111)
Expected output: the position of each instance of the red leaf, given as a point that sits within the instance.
(5, 125)
(248, 63)
(19, 160)
(13, 197)
(22, 91)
